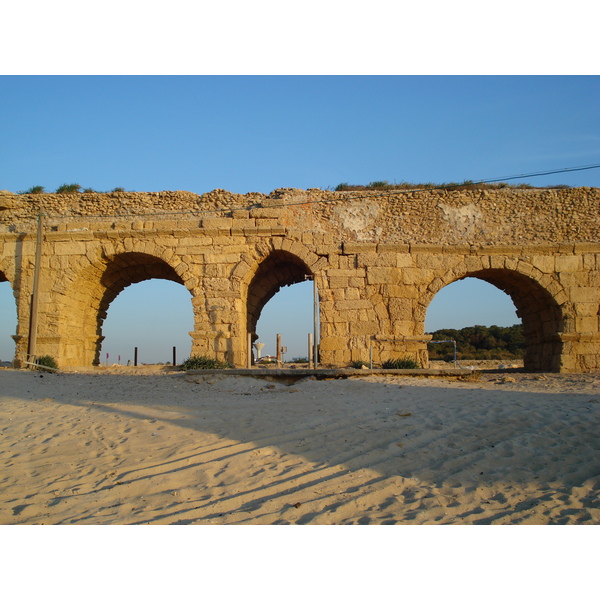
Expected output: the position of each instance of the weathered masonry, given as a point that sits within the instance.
(378, 259)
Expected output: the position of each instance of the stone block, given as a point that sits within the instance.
(404, 260)
(568, 263)
(400, 309)
(585, 294)
(545, 263)
(342, 305)
(358, 248)
(217, 223)
(387, 259)
(586, 309)
(330, 343)
(365, 328)
(393, 248)
(346, 273)
(69, 248)
(389, 275)
(586, 324)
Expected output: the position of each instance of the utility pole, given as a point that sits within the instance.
(315, 320)
(35, 293)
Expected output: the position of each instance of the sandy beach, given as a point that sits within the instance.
(156, 447)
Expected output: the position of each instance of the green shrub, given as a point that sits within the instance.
(35, 189)
(359, 364)
(68, 188)
(119, 189)
(400, 363)
(46, 361)
(379, 185)
(203, 362)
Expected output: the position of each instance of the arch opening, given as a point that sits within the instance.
(539, 313)
(294, 307)
(140, 310)
(8, 321)
(154, 316)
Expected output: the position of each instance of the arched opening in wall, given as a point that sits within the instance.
(154, 316)
(8, 321)
(497, 315)
(281, 300)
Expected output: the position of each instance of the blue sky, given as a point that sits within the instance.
(258, 133)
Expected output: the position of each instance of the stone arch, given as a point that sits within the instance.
(276, 269)
(540, 304)
(86, 300)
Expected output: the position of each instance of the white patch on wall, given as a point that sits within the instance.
(465, 221)
(359, 219)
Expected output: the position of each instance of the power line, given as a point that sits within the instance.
(539, 174)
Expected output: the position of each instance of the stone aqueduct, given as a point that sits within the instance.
(378, 259)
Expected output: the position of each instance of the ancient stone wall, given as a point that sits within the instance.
(378, 259)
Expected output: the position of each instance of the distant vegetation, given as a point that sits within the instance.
(467, 184)
(36, 189)
(67, 188)
(479, 343)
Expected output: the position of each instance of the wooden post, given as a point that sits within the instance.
(35, 294)
(311, 359)
(135, 356)
(249, 353)
(316, 322)
(174, 356)
(279, 351)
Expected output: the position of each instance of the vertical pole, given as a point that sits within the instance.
(249, 354)
(174, 356)
(135, 357)
(279, 351)
(311, 358)
(315, 322)
(35, 293)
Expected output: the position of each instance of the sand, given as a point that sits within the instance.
(158, 447)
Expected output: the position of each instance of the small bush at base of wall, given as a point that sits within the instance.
(400, 363)
(46, 361)
(203, 362)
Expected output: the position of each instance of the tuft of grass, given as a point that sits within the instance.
(35, 189)
(379, 185)
(203, 362)
(359, 364)
(400, 363)
(46, 361)
(68, 188)
(451, 185)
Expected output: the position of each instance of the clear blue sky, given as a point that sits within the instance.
(258, 133)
